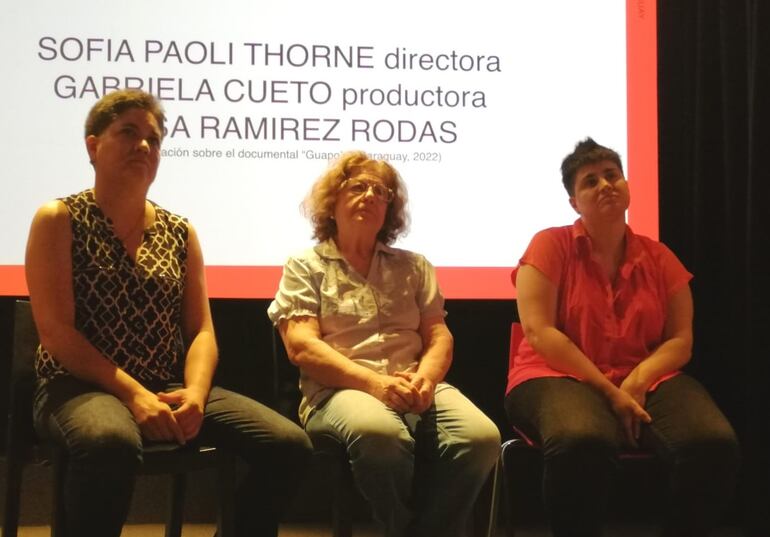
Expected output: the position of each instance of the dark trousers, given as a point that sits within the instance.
(580, 438)
(104, 447)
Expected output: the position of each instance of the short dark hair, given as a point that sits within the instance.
(110, 106)
(586, 152)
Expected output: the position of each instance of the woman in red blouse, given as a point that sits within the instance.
(607, 319)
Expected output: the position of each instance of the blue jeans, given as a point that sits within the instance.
(420, 474)
(104, 447)
(581, 437)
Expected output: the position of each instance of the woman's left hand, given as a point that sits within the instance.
(425, 387)
(637, 389)
(188, 405)
(630, 414)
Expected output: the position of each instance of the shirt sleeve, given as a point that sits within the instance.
(297, 296)
(429, 298)
(546, 252)
(675, 275)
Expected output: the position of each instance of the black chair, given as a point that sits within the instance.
(521, 459)
(330, 460)
(330, 456)
(23, 447)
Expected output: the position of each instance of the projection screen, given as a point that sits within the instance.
(474, 103)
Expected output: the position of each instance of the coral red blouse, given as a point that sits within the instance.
(616, 327)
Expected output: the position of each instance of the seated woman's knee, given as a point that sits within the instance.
(293, 447)
(579, 443)
(383, 445)
(715, 448)
(107, 446)
(483, 444)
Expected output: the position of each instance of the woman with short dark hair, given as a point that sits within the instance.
(607, 319)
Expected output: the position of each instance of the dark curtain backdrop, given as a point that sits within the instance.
(714, 98)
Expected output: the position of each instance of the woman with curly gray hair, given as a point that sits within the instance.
(364, 322)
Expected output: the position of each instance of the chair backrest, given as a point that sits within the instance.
(22, 385)
(285, 380)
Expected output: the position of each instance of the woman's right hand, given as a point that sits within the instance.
(155, 418)
(395, 392)
(630, 414)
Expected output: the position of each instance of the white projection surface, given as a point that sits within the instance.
(475, 104)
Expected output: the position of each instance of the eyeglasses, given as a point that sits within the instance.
(359, 187)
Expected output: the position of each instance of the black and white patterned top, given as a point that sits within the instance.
(130, 311)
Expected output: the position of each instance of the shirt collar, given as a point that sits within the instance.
(328, 249)
(582, 241)
(633, 246)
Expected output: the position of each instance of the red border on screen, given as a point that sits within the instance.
(494, 282)
(642, 95)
